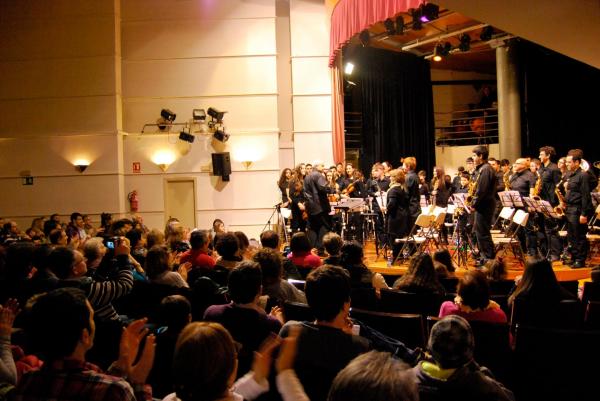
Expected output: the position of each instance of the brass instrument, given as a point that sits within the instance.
(535, 193)
(506, 179)
(472, 190)
(596, 164)
(562, 202)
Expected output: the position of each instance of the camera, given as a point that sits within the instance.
(111, 242)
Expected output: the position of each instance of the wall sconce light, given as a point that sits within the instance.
(163, 159)
(247, 164)
(81, 165)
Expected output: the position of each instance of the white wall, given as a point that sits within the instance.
(311, 84)
(451, 157)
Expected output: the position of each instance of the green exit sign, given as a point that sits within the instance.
(27, 180)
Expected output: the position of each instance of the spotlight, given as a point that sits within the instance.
(221, 136)
(465, 42)
(417, 25)
(446, 49)
(364, 37)
(429, 12)
(168, 115)
(437, 53)
(349, 85)
(389, 26)
(486, 33)
(216, 114)
(186, 137)
(349, 68)
(400, 25)
(199, 115)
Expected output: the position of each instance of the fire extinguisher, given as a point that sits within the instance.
(133, 201)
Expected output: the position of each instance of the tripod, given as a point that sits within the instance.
(279, 220)
(461, 255)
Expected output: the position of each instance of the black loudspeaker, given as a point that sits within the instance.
(221, 163)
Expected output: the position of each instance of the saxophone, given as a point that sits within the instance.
(562, 202)
(472, 190)
(506, 179)
(436, 185)
(535, 195)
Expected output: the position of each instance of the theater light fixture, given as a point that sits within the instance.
(465, 42)
(389, 26)
(186, 136)
(364, 37)
(486, 33)
(220, 135)
(216, 114)
(399, 25)
(437, 53)
(199, 115)
(429, 12)
(349, 68)
(167, 117)
(417, 24)
(81, 165)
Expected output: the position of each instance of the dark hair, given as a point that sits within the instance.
(332, 243)
(421, 273)
(351, 253)
(56, 322)
(227, 245)
(118, 226)
(481, 151)
(299, 243)
(157, 261)
(75, 215)
(474, 290)
(55, 235)
(576, 154)
(496, 270)
(174, 312)
(466, 175)
(282, 177)
(49, 226)
(374, 376)
(460, 169)
(40, 256)
(134, 236)
(60, 261)
(269, 239)
(216, 221)
(443, 256)
(538, 283)
(244, 282)
(327, 289)
(271, 263)
(19, 260)
(549, 150)
(469, 159)
(204, 361)
(505, 162)
(242, 240)
(198, 239)
(105, 219)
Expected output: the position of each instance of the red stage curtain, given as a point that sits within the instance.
(337, 112)
(352, 16)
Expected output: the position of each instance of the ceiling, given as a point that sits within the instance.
(448, 27)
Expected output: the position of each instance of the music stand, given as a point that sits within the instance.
(280, 221)
(460, 252)
(595, 198)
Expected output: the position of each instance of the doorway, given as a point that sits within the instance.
(180, 200)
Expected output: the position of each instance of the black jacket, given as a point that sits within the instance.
(485, 195)
(315, 191)
(414, 197)
(578, 198)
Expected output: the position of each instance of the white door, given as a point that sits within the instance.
(180, 201)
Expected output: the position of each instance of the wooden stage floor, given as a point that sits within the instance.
(563, 272)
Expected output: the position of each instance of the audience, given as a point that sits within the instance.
(278, 289)
(333, 245)
(242, 317)
(326, 345)
(473, 300)
(205, 367)
(227, 246)
(270, 239)
(158, 268)
(374, 376)
(352, 259)
(62, 331)
(451, 373)
(301, 254)
(420, 277)
(198, 256)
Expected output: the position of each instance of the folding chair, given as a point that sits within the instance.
(504, 218)
(512, 241)
(417, 236)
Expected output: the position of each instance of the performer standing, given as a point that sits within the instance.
(412, 189)
(377, 186)
(484, 202)
(317, 206)
(550, 175)
(396, 210)
(579, 207)
(523, 181)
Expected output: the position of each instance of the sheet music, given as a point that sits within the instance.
(460, 201)
(381, 199)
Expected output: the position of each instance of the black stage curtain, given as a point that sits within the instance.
(397, 108)
(560, 102)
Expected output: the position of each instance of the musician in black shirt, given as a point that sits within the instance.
(484, 202)
(412, 189)
(523, 180)
(550, 175)
(317, 206)
(579, 207)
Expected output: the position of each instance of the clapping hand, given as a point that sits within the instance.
(129, 348)
(8, 312)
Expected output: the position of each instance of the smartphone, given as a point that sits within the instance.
(110, 244)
